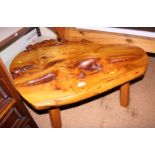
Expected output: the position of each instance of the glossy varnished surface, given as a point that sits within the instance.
(56, 73)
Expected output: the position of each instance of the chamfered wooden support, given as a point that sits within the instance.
(55, 118)
(124, 94)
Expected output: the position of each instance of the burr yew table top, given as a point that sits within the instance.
(53, 73)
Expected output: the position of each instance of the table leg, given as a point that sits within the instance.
(55, 118)
(124, 94)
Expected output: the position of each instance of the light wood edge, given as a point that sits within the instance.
(102, 37)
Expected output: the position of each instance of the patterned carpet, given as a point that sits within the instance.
(104, 110)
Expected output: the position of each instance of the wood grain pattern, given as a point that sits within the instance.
(67, 72)
(100, 37)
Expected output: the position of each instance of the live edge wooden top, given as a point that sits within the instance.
(53, 73)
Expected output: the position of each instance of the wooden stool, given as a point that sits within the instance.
(51, 74)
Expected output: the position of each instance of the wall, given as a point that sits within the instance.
(10, 52)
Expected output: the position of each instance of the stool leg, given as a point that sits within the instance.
(55, 118)
(124, 94)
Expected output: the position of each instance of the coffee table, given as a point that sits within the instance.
(54, 73)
